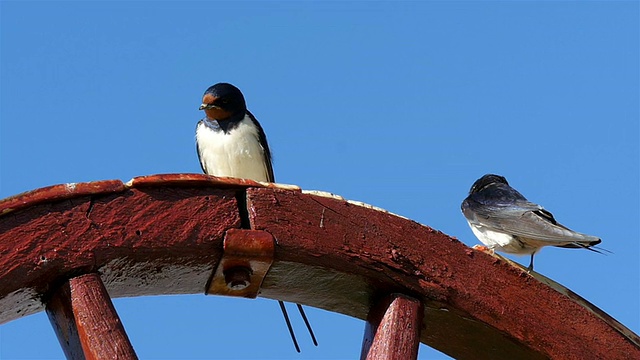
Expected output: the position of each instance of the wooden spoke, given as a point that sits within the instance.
(86, 322)
(393, 329)
(164, 234)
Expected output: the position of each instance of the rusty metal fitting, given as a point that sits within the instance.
(246, 259)
(237, 278)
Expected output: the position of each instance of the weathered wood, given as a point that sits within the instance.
(163, 235)
(477, 306)
(248, 255)
(86, 322)
(59, 192)
(392, 330)
(144, 241)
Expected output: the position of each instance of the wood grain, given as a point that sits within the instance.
(163, 234)
(477, 306)
(393, 328)
(85, 321)
(144, 241)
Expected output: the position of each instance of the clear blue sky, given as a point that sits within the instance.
(402, 105)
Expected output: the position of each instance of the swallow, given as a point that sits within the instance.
(229, 139)
(504, 220)
(231, 143)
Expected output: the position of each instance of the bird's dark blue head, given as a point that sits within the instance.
(486, 181)
(223, 101)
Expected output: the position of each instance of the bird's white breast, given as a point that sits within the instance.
(237, 153)
(500, 241)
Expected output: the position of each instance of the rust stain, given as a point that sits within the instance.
(165, 233)
(243, 249)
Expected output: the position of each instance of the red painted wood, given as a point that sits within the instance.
(151, 240)
(59, 192)
(477, 306)
(163, 235)
(393, 329)
(86, 322)
(202, 180)
(192, 180)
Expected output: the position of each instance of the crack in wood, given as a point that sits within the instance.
(243, 209)
(91, 203)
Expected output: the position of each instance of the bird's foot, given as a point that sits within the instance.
(484, 249)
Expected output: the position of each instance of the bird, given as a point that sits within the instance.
(504, 220)
(231, 143)
(229, 139)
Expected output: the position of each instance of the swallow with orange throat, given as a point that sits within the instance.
(231, 143)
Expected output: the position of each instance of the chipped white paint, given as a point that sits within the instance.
(373, 207)
(70, 187)
(329, 195)
(280, 186)
(325, 194)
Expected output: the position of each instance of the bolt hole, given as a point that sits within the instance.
(237, 278)
(138, 232)
(206, 198)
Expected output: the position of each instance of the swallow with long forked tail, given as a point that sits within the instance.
(504, 220)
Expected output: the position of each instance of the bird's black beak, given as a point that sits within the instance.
(204, 106)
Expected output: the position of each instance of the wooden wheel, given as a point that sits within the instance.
(68, 249)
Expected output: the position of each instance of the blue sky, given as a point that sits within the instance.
(402, 105)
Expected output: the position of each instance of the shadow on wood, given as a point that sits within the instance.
(163, 234)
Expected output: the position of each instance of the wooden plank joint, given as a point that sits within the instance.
(246, 259)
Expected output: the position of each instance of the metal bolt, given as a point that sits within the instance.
(237, 278)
